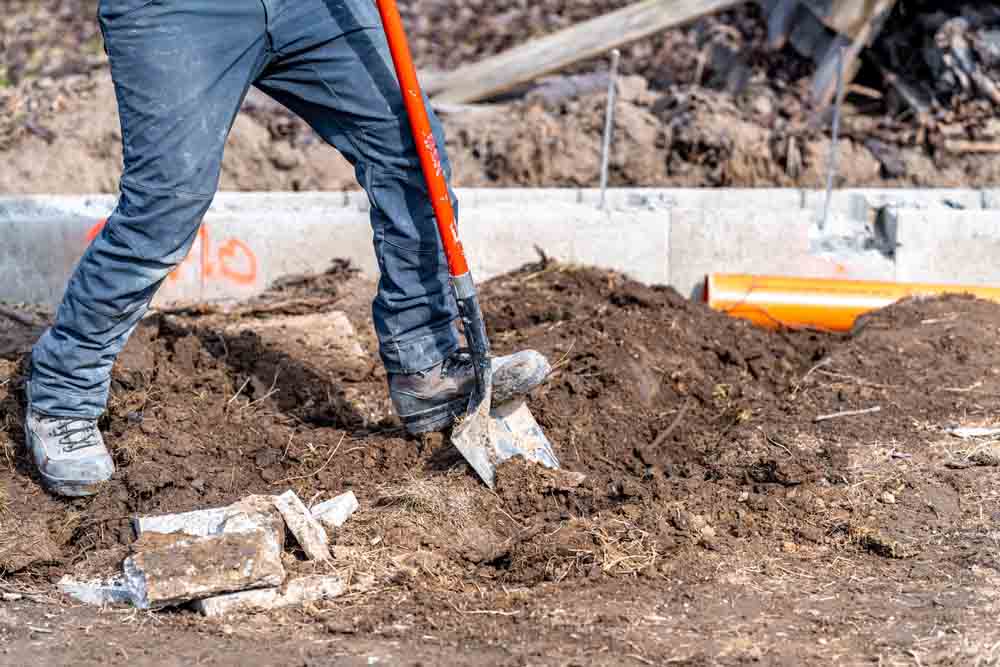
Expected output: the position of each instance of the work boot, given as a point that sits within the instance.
(430, 400)
(69, 453)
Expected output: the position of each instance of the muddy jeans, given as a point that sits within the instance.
(181, 69)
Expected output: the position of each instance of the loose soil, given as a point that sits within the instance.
(717, 522)
(683, 118)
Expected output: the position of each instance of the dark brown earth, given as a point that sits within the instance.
(718, 524)
(682, 121)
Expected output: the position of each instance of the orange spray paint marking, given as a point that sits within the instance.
(245, 272)
(234, 261)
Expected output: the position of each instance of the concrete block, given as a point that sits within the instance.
(173, 569)
(53, 207)
(502, 237)
(238, 256)
(991, 199)
(250, 514)
(38, 257)
(859, 203)
(293, 593)
(99, 592)
(333, 513)
(636, 243)
(309, 533)
(942, 246)
(700, 198)
(281, 207)
(469, 198)
(734, 241)
(327, 336)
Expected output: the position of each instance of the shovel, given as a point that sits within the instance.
(485, 435)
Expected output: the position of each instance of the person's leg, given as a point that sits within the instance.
(332, 66)
(180, 69)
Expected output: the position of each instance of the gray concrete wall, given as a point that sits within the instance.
(671, 236)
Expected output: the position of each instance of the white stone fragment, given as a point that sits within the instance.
(335, 512)
(973, 432)
(249, 514)
(310, 534)
(200, 523)
(98, 592)
(295, 592)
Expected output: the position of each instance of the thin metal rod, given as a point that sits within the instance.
(831, 171)
(609, 123)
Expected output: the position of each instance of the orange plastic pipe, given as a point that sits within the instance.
(827, 304)
(420, 125)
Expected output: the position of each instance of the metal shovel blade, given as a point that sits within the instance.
(487, 438)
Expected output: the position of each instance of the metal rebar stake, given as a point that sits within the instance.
(831, 171)
(609, 123)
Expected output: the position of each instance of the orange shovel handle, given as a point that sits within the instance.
(423, 136)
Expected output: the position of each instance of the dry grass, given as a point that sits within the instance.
(132, 447)
(24, 543)
(428, 497)
(388, 543)
(7, 453)
(68, 524)
(624, 549)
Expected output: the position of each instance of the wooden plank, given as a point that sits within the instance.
(966, 146)
(551, 53)
(824, 86)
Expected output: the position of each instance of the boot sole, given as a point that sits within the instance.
(435, 419)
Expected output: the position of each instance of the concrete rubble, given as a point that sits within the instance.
(97, 592)
(251, 513)
(173, 569)
(295, 592)
(309, 533)
(333, 513)
(223, 559)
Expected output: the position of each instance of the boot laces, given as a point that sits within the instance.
(67, 428)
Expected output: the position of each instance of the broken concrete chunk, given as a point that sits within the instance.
(334, 512)
(100, 592)
(250, 514)
(201, 523)
(173, 569)
(296, 592)
(309, 533)
(967, 432)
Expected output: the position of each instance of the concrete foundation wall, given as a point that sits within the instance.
(668, 236)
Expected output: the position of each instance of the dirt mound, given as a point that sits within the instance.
(693, 432)
(686, 118)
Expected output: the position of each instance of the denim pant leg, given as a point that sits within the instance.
(180, 69)
(332, 67)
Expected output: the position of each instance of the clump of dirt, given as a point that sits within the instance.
(681, 431)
